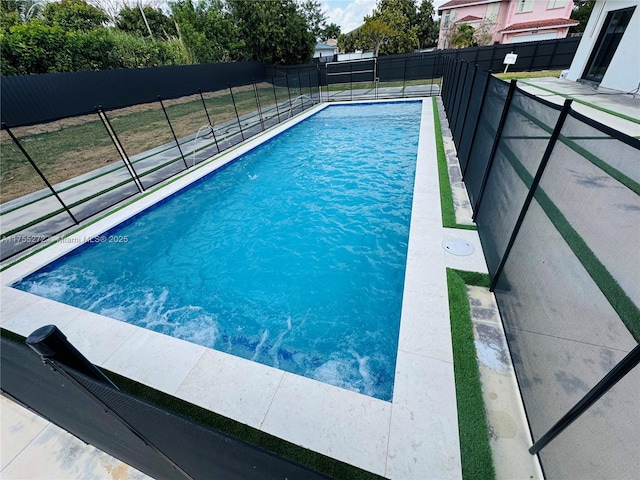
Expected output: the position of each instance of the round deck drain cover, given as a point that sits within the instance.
(457, 246)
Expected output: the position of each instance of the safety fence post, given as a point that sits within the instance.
(494, 148)
(173, 132)
(532, 190)
(119, 147)
(38, 171)
(235, 109)
(209, 120)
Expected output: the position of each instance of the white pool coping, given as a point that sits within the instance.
(413, 437)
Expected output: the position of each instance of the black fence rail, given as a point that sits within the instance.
(153, 440)
(556, 198)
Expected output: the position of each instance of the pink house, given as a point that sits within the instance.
(506, 21)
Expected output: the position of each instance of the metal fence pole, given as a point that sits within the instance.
(404, 77)
(57, 353)
(310, 92)
(209, 120)
(532, 190)
(553, 54)
(494, 148)
(351, 81)
(119, 147)
(448, 77)
(39, 172)
(533, 57)
(455, 91)
(628, 363)
(301, 96)
(275, 97)
(286, 76)
(173, 132)
(51, 344)
(255, 92)
(235, 109)
(433, 73)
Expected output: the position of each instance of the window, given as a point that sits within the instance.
(446, 19)
(492, 12)
(525, 6)
(605, 47)
(556, 4)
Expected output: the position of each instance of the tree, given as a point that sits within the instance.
(274, 31)
(388, 30)
(130, 20)
(330, 31)
(208, 31)
(463, 36)
(581, 11)
(428, 28)
(312, 12)
(74, 15)
(352, 41)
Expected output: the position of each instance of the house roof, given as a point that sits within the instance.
(540, 24)
(460, 3)
(468, 18)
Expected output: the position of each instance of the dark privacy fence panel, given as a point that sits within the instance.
(544, 55)
(155, 441)
(556, 200)
(30, 99)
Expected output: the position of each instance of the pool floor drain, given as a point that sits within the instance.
(457, 246)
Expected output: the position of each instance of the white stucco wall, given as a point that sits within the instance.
(623, 73)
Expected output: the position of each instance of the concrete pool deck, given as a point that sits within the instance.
(414, 436)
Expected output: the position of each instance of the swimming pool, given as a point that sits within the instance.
(293, 255)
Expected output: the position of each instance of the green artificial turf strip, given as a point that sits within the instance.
(310, 459)
(446, 197)
(475, 449)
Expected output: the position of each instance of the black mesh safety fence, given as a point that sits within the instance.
(148, 140)
(509, 177)
(458, 87)
(488, 123)
(465, 98)
(156, 441)
(470, 117)
(56, 175)
(556, 199)
(30, 210)
(60, 173)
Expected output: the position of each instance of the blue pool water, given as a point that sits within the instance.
(292, 256)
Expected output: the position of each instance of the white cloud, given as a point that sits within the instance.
(349, 14)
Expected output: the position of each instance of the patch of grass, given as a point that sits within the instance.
(446, 196)
(540, 74)
(475, 449)
(308, 458)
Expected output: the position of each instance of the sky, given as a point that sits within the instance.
(348, 14)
